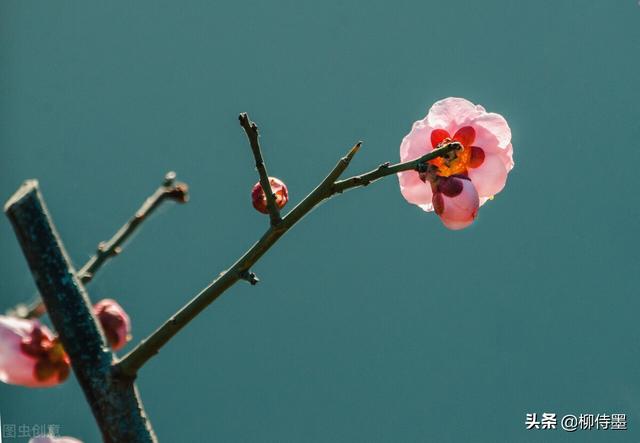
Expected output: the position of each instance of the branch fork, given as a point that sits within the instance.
(169, 190)
(251, 129)
(328, 187)
(108, 383)
(114, 401)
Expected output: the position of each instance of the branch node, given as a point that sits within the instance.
(422, 167)
(169, 178)
(251, 129)
(250, 277)
(168, 190)
(147, 348)
(179, 192)
(116, 407)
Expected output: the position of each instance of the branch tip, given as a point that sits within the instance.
(169, 178)
(354, 150)
(24, 190)
(251, 130)
(168, 190)
(148, 347)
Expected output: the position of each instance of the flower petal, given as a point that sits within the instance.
(477, 157)
(416, 143)
(452, 113)
(450, 186)
(457, 225)
(465, 135)
(490, 177)
(459, 211)
(507, 157)
(491, 145)
(16, 366)
(415, 191)
(496, 124)
(438, 136)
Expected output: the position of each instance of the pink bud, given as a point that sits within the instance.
(456, 201)
(259, 198)
(114, 321)
(30, 355)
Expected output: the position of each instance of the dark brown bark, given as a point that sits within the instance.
(113, 398)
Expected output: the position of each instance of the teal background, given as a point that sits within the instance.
(372, 322)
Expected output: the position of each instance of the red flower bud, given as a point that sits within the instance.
(259, 198)
(114, 321)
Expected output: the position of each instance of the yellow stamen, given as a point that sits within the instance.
(455, 163)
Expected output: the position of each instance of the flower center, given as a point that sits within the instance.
(454, 162)
(457, 161)
(51, 360)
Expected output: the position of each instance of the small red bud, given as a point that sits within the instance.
(114, 321)
(259, 198)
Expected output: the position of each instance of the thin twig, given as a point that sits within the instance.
(169, 190)
(147, 348)
(385, 169)
(252, 134)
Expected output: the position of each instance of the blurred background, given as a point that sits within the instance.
(372, 322)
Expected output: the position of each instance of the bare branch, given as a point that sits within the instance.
(252, 134)
(385, 169)
(169, 190)
(150, 346)
(113, 400)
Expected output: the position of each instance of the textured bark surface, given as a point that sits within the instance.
(113, 398)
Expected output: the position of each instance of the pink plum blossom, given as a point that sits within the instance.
(259, 198)
(30, 355)
(476, 172)
(45, 439)
(114, 321)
